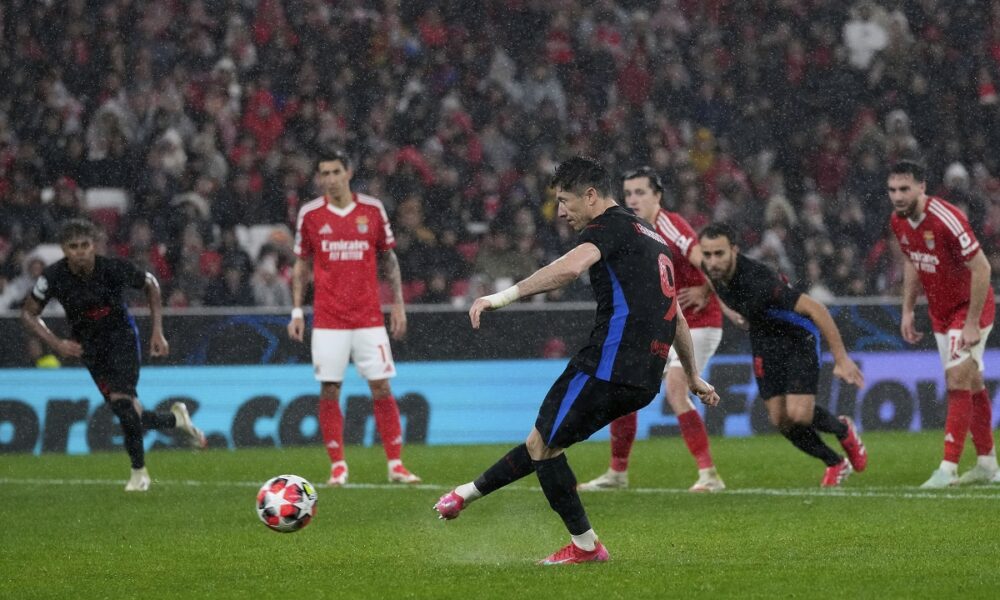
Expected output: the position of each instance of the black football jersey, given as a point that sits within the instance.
(767, 302)
(633, 284)
(95, 304)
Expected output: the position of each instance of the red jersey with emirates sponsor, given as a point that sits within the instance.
(939, 245)
(681, 239)
(344, 245)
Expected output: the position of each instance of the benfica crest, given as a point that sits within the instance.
(929, 239)
(362, 223)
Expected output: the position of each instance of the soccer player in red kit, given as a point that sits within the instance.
(643, 193)
(343, 234)
(943, 254)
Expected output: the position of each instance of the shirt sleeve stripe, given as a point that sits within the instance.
(945, 215)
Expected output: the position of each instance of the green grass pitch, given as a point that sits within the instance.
(70, 531)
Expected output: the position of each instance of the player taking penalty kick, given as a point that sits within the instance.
(944, 256)
(616, 373)
(643, 193)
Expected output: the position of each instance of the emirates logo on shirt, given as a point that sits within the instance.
(362, 223)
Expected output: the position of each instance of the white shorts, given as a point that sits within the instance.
(706, 341)
(946, 344)
(367, 347)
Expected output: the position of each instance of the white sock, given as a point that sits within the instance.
(988, 461)
(394, 463)
(586, 540)
(468, 492)
(709, 471)
(949, 467)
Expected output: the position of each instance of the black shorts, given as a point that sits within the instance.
(578, 405)
(785, 366)
(113, 361)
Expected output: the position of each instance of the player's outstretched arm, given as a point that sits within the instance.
(297, 324)
(397, 318)
(685, 352)
(844, 366)
(552, 276)
(31, 318)
(158, 345)
(979, 265)
(911, 287)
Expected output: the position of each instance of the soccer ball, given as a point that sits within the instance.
(286, 503)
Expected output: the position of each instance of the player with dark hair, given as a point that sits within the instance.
(785, 330)
(344, 235)
(616, 373)
(104, 335)
(945, 258)
(643, 193)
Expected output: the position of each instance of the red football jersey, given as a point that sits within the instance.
(682, 239)
(939, 245)
(344, 245)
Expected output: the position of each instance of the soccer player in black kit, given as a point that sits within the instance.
(620, 368)
(104, 335)
(785, 330)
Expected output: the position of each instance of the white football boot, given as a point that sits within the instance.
(610, 480)
(139, 481)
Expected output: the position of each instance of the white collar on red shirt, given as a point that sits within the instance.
(341, 212)
(914, 223)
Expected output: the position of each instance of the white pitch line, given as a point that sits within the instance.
(989, 492)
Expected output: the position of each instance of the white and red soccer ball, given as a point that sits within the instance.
(286, 503)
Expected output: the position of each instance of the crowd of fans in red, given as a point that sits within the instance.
(780, 116)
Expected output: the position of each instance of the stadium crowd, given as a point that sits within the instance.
(779, 116)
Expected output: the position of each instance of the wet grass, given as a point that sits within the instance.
(70, 531)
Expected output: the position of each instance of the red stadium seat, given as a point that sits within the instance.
(413, 289)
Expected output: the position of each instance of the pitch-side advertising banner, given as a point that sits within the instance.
(466, 402)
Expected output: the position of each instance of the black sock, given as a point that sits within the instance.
(827, 423)
(805, 438)
(132, 430)
(559, 486)
(513, 466)
(153, 420)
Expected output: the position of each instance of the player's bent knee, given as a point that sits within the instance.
(329, 390)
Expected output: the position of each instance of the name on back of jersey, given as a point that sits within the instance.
(648, 233)
(345, 250)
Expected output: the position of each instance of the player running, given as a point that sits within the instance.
(104, 335)
(945, 258)
(341, 234)
(643, 193)
(616, 373)
(785, 328)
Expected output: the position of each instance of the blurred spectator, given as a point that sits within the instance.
(268, 288)
(229, 290)
(499, 264)
(210, 115)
